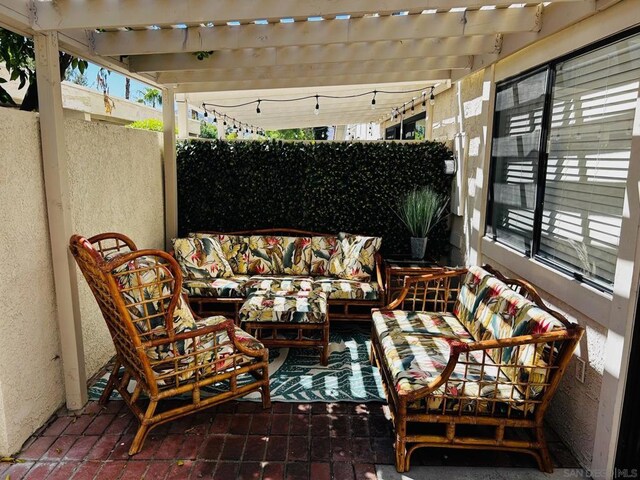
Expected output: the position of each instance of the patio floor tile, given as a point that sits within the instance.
(238, 440)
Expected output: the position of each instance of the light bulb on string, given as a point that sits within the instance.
(373, 101)
(432, 98)
(215, 118)
(317, 110)
(225, 120)
(258, 108)
(424, 99)
(412, 107)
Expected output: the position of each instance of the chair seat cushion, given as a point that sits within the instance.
(425, 323)
(296, 307)
(414, 358)
(213, 350)
(278, 284)
(338, 288)
(232, 287)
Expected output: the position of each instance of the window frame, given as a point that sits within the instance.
(532, 251)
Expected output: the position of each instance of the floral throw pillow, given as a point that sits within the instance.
(358, 257)
(201, 258)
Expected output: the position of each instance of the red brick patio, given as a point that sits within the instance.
(237, 440)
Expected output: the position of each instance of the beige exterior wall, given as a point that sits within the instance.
(585, 415)
(31, 385)
(116, 184)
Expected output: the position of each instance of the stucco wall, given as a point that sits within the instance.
(31, 385)
(116, 184)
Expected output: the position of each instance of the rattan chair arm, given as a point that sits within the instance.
(549, 337)
(410, 280)
(378, 259)
(198, 332)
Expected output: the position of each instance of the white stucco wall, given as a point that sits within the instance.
(31, 385)
(116, 185)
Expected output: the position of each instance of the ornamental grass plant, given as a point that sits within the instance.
(421, 210)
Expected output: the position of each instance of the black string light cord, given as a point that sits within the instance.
(259, 101)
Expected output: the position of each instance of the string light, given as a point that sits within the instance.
(424, 99)
(373, 101)
(432, 98)
(258, 108)
(317, 110)
(412, 107)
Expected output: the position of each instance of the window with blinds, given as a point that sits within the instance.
(578, 145)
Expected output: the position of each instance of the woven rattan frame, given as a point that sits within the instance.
(164, 378)
(340, 309)
(413, 420)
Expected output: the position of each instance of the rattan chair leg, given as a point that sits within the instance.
(111, 384)
(402, 457)
(143, 429)
(544, 463)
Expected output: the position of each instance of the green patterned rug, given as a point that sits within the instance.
(297, 376)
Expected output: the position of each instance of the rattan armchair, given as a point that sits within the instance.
(159, 343)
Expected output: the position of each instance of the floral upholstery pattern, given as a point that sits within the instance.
(356, 261)
(235, 249)
(147, 300)
(415, 360)
(201, 258)
(322, 249)
(278, 284)
(232, 287)
(471, 293)
(425, 323)
(338, 288)
(278, 255)
(298, 307)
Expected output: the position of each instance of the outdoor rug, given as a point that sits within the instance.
(296, 374)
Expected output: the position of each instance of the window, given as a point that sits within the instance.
(560, 157)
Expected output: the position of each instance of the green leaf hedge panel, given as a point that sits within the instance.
(322, 186)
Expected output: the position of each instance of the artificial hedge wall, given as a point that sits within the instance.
(323, 187)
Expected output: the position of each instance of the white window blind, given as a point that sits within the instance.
(515, 152)
(594, 101)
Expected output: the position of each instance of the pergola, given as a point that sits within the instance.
(260, 49)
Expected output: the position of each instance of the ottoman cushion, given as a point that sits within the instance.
(295, 307)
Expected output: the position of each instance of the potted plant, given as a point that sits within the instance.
(421, 210)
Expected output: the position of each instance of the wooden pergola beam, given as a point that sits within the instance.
(315, 54)
(431, 76)
(96, 14)
(317, 69)
(366, 29)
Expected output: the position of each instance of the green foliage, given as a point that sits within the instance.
(208, 131)
(75, 76)
(18, 56)
(148, 124)
(421, 209)
(150, 97)
(321, 186)
(291, 134)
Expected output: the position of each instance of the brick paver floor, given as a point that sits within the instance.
(237, 440)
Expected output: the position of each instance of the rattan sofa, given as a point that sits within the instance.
(470, 359)
(254, 268)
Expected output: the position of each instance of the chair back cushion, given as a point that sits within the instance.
(235, 249)
(201, 258)
(472, 291)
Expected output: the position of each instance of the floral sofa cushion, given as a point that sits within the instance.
(471, 293)
(201, 258)
(278, 284)
(356, 260)
(298, 307)
(235, 249)
(232, 287)
(322, 249)
(339, 288)
(279, 255)
(415, 360)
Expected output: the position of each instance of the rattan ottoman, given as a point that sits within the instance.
(288, 319)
